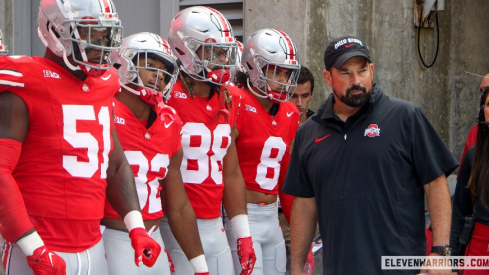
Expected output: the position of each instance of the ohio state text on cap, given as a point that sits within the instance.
(342, 49)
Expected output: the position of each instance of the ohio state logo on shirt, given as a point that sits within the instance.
(372, 131)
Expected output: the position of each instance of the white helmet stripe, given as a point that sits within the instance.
(290, 46)
(224, 25)
(106, 6)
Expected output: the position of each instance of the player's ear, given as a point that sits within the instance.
(328, 77)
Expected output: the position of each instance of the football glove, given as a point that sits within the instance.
(246, 254)
(146, 250)
(46, 262)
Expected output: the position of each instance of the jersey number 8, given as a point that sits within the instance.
(268, 169)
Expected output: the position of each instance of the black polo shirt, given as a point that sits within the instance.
(367, 177)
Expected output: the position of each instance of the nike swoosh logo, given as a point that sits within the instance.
(288, 115)
(319, 139)
(51, 258)
(168, 125)
(347, 46)
(106, 78)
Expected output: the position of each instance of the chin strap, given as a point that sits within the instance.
(253, 91)
(68, 63)
(219, 76)
(91, 71)
(222, 115)
(150, 97)
(276, 97)
(87, 70)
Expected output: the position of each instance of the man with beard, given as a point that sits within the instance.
(361, 166)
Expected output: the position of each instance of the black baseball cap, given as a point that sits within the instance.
(342, 49)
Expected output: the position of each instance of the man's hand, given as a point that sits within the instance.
(246, 255)
(46, 262)
(146, 250)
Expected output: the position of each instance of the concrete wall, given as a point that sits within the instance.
(447, 95)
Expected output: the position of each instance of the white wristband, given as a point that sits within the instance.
(199, 264)
(241, 226)
(30, 243)
(133, 220)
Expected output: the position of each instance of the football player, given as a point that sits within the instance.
(61, 157)
(149, 132)
(203, 42)
(266, 127)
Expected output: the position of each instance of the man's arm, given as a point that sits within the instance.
(14, 122)
(285, 199)
(439, 207)
(303, 220)
(14, 117)
(15, 225)
(181, 215)
(234, 199)
(121, 189)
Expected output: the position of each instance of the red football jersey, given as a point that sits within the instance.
(62, 169)
(206, 136)
(263, 141)
(149, 152)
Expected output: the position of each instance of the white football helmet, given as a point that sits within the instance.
(269, 50)
(85, 29)
(206, 30)
(3, 49)
(142, 46)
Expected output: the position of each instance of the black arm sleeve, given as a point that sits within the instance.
(462, 202)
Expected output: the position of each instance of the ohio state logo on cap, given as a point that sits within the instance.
(372, 131)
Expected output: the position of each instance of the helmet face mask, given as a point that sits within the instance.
(204, 44)
(267, 54)
(94, 45)
(87, 34)
(214, 60)
(146, 67)
(269, 82)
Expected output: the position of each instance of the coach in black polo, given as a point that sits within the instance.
(361, 166)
